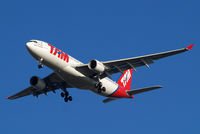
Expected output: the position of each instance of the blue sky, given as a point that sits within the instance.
(103, 30)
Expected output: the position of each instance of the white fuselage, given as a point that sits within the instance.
(64, 65)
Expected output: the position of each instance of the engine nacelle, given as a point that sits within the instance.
(96, 66)
(37, 83)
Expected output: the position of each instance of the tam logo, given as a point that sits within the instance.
(61, 54)
(126, 78)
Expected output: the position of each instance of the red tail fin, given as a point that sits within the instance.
(125, 79)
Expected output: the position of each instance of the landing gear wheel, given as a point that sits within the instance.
(66, 93)
(70, 98)
(40, 66)
(66, 99)
(62, 95)
(103, 89)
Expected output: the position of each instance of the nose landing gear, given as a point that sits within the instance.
(40, 65)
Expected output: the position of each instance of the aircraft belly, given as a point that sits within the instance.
(76, 79)
(68, 73)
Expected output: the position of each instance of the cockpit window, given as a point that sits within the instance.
(33, 41)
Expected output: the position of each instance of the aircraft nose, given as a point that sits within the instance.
(30, 46)
(34, 48)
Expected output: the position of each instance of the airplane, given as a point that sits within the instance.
(95, 76)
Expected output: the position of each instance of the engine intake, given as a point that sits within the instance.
(37, 83)
(96, 66)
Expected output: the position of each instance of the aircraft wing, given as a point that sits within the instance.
(53, 82)
(116, 66)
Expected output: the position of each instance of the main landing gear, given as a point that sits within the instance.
(100, 88)
(66, 96)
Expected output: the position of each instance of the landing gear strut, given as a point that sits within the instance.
(62, 95)
(40, 66)
(66, 96)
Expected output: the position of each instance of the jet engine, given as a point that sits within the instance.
(37, 83)
(96, 66)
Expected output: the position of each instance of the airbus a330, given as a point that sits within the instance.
(94, 76)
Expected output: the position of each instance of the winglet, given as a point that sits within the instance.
(190, 47)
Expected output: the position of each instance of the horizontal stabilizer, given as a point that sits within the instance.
(108, 100)
(141, 90)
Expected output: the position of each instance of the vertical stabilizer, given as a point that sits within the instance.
(125, 79)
